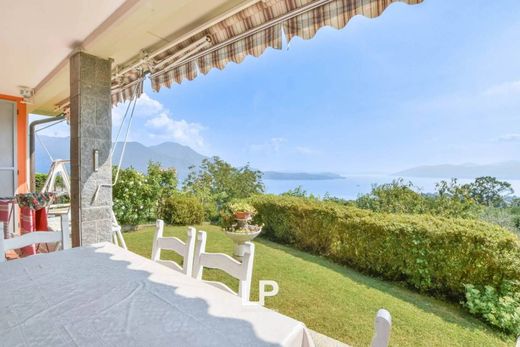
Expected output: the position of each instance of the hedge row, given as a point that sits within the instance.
(432, 254)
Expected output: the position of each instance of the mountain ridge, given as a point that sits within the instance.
(168, 154)
(181, 157)
(137, 155)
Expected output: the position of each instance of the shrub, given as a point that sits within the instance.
(432, 254)
(136, 196)
(130, 202)
(39, 179)
(182, 209)
(508, 218)
(241, 206)
(499, 307)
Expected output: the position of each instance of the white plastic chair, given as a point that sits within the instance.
(62, 237)
(174, 244)
(117, 235)
(243, 271)
(382, 327)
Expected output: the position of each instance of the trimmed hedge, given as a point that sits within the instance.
(432, 254)
(181, 209)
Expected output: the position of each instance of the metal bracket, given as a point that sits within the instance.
(27, 94)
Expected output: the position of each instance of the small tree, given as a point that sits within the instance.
(450, 200)
(453, 200)
(216, 183)
(396, 197)
(161, 184)
(489, 191)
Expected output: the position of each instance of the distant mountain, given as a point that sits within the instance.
(137, 155)
(300, 176)
(168, 154)
(503, 170)
(184, 156)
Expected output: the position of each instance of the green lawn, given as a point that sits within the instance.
(340, 302)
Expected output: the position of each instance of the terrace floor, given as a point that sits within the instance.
(337, 301)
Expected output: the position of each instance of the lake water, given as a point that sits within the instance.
(352, 186)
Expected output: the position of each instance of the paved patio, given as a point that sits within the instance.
(321, 340)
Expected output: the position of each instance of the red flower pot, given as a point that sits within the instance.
(242, 215)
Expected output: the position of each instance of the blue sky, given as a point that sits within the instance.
(428, 84)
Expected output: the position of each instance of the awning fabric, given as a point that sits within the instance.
(127, 87)
(304, 24)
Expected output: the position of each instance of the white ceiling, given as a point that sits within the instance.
(37, 37)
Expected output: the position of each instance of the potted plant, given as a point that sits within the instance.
(235, 222)
(242, 210)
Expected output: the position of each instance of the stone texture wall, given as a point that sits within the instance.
(91, 129)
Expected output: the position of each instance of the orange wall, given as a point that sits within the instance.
(22, 155)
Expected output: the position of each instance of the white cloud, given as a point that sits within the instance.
(306, 150)
(153, 121)
(273, 145)
(165, 127)
(277, 142)
(117, 117)
(145, 107)
(509, 138)
(506, 88)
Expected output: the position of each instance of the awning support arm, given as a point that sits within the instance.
(32, 146)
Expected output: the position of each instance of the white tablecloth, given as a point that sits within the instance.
(102, 295)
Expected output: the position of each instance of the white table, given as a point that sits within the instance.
(102, 295)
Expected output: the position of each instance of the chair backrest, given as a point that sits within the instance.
(382, 327)
(184, 249)
(117, 235)
(62, 237)
(243, 271)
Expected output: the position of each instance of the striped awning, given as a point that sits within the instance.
(127, 87)
(248, 32)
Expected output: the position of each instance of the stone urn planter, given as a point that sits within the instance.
(241, 236)
(238, 228)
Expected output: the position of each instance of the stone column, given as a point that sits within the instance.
(90, 138)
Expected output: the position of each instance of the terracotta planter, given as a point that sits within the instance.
(242, 215)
